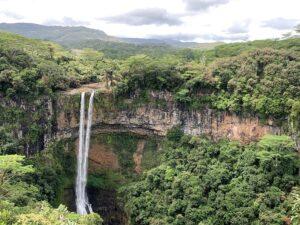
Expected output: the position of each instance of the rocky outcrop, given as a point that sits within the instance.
(138, 156)
(28, 121)
(156, 116)
(102, 156)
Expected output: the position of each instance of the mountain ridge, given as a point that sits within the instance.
(68, 35)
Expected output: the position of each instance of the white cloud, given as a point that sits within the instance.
(200, 5)
(10, 14)
(281, 23)
(66, 21)
(146, 16)
(213, 20)
(240, 27)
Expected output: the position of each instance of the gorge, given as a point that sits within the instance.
(111, 161)
(143, 121)
(171, 140)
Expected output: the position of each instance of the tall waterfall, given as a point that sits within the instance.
(82, 202)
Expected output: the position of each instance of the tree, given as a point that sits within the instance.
(43, 214)
(206, 182)
(12, 187)
(11, 166)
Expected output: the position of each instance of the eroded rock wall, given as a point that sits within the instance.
(156, 116)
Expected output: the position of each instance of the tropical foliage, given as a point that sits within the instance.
(199, 181)
(19, 197)
(202, 182)
(264, 82)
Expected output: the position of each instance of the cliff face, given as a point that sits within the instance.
(28, 123)
(37, 123)
(156, 116)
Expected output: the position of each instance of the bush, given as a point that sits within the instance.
(202, 182)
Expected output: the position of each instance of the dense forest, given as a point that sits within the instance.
(199, 180)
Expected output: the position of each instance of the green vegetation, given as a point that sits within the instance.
(264, 82)
(12, 188)
(120, 50)
(123, 145)
(234, 49)
(19, 203)
(56, 171)
(58, 34)
(43, 214)
(112, 47)
(31, 72)
(105, 179)
(31, 68)
(202, 182)
(199, 181)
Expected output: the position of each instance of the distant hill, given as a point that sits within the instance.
(59, 34)
(170, 42)
(73, 36)
(123, 50)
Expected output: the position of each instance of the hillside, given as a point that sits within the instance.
(178, 136)
(59, 34)
(76, 36)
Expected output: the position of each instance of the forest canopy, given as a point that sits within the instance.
(199, 181)
(202, 182)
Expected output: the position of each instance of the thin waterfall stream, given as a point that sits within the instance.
(82, 203)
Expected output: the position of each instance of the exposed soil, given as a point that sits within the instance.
(138, 156)
(88, 88)
(102, 157)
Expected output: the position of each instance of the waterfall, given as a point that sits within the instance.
(82, 202)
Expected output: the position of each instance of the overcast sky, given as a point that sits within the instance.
(187, 20)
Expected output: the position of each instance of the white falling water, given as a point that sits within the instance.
(82, 202)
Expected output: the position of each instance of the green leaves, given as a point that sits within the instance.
(203, 182)
(12, 188)
(274, 142)
(43, 214)
(12, 165)
(182, 96)
(19, 203)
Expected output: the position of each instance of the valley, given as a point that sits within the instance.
(182, 136)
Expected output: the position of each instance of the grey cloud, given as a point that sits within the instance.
(280, 23)
(176, 37)
(12, 15)
(201, 5)
(66, 21)
(239, 27)
(156, 16)
(231, 37)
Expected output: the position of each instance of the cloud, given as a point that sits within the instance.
(230, 37)
(202, 5)
(12, 15)
(280, 23)
(66, 21)
(176, 37)
(205, 37)
(239, 27)
(156, 16)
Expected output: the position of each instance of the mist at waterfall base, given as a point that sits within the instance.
(82, 203)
